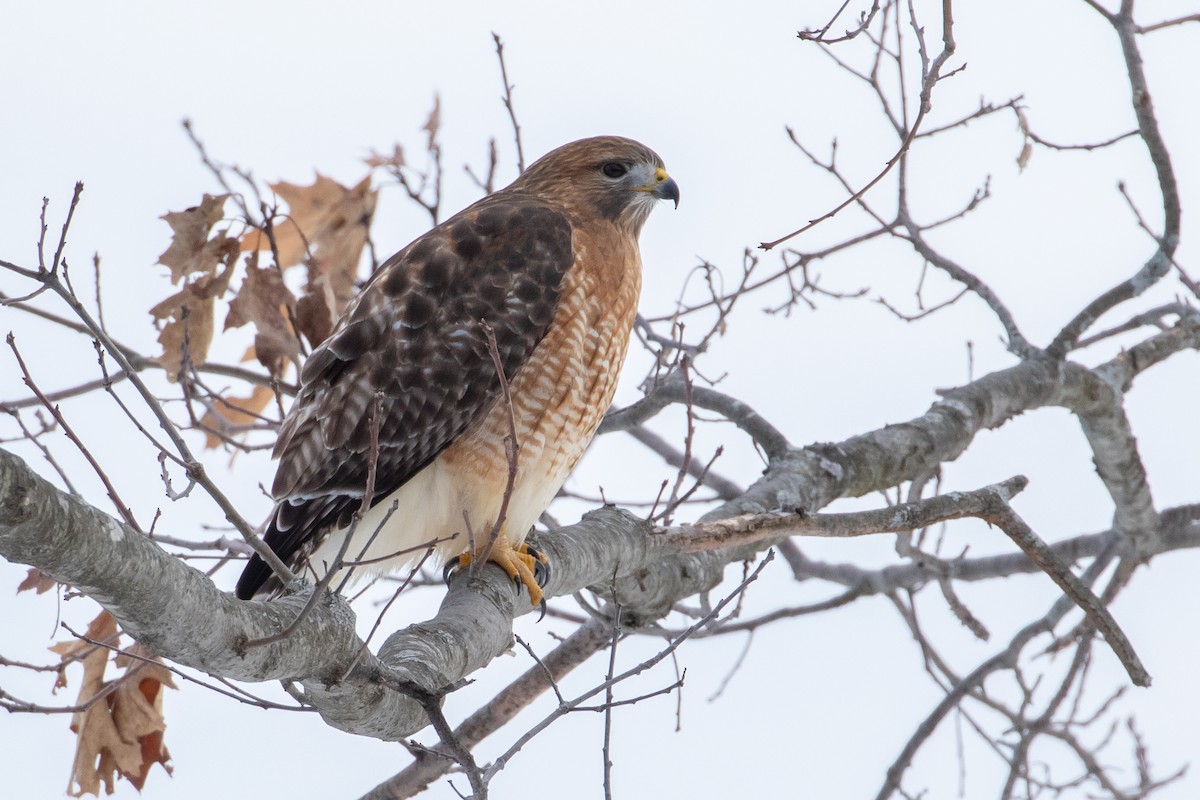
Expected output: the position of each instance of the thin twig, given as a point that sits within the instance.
(674, 644)
(512, 444)
(605, 750)
(932, 77)
(122, 509)
(508, 102)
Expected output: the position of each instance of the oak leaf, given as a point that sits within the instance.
(191, 250)
(137, 709)
(265, 301)
(102, 629)
(120, 725)
(393, 161)
(328, 223)
(187, 318)
(37, 580)
(316, 312)
(434, 122)
(101, 752)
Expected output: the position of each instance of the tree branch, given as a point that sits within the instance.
(202, 627)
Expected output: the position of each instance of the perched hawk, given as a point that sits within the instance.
(550, 265)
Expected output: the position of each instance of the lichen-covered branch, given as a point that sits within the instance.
(205, 628)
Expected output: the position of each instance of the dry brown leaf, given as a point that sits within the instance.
(1023, 158)
(228, 412)
(394, 161)
(37, 580)
(120, 734)
(188, 317)
(137, 709)
(315, 313)
(93, 726)
(265, 301)
(102, 629)
(434, 122)
(325, 220)
(191, 250)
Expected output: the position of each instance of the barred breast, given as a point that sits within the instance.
(559, 396)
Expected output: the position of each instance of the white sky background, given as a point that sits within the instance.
(822, 705)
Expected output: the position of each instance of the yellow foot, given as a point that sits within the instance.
(524, 565)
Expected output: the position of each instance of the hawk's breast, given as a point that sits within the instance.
(559, 395)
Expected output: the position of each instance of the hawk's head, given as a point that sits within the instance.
(618, 178)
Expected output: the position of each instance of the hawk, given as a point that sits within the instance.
(540, 281)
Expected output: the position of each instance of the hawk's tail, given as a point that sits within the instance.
(296, 529)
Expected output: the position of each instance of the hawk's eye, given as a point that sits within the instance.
(613, 169)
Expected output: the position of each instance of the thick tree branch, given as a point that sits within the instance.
(577, 648)
(1179, 529)
(203, 627)
(1101, 413)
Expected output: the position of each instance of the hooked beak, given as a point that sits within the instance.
(665, 187)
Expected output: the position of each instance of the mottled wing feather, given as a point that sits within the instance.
(415, 339)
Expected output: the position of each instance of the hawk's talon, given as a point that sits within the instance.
(541, 565)
(541, 574)
(526, 566)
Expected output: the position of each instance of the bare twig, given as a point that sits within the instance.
(1159, 262)
(586, 640)
(512, 444)
(507, 756)
(120, 505)
(508, 103)
(931, 77)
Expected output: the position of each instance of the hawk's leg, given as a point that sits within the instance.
(523, 563)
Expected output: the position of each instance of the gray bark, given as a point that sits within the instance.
(180, 614)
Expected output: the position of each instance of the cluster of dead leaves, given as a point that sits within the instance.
(324, 229)
(205, 266)
(120, 722)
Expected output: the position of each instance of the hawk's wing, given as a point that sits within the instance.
(415, 339)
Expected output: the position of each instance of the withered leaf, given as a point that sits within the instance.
(264, 301)
(434, 122)
(188, 317)
(101, 629)
(327, 221)
(120, 731)
(191, 250)
(228, 413)
(1023, 158)
(37, 580)
(98, 743)
(137, 709)
(393, 161)
(315, 313)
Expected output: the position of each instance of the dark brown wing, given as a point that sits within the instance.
(414, 336)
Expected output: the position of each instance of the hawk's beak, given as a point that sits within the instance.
(665, 187)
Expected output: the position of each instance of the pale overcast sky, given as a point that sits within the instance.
(820, 707)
